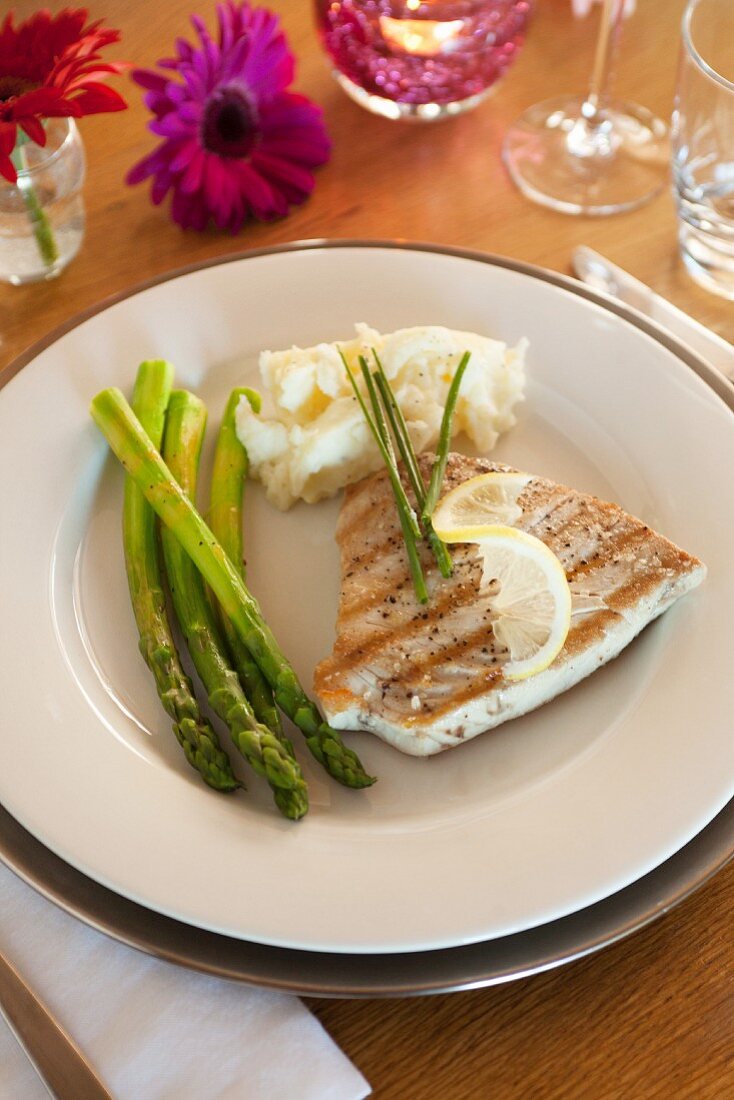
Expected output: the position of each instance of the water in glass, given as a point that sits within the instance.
(703, 144)
(50, 181)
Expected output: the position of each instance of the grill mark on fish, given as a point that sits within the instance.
(412, 673)
(464, 597)
(413, 668)
(398, 568)
(430, 658)
(577, 638)
(411, 630)
(395, 564)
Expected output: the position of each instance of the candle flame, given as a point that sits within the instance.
(421, 37)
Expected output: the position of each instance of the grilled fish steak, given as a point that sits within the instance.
(427, 678)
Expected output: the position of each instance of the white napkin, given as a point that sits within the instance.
(155, 1031)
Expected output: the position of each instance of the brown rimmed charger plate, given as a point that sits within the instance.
(345, 974)
(318, 974)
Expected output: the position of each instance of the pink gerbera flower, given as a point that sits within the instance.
(235, 143)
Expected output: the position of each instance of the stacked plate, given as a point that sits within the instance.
(544, 840)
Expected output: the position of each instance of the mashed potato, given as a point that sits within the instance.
(315, 439)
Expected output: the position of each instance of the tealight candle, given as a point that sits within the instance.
(421, 59)
(422, 37)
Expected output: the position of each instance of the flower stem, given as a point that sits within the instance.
(40, 224)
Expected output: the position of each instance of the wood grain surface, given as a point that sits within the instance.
(652, 1016)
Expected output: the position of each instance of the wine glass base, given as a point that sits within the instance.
(407, 112)
(562, 157)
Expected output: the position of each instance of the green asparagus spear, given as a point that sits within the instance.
(123, 432)
(193, 732)
(225, 519)
(185, 423)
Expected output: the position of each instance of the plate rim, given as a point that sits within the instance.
(721, 385)
(22, 865)
(369, 976)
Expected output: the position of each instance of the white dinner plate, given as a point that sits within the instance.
(536, 820)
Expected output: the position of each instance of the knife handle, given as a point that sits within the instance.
(600, 273)
(709, 345)
(58, 1061)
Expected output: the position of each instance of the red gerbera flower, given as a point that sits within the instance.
(50, 67)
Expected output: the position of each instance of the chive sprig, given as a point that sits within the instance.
(387, 423)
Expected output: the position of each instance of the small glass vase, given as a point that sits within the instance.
(42, 215)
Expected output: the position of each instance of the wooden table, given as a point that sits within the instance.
(654, 1015)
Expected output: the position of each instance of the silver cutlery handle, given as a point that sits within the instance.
(601, 274)
(60, 1063)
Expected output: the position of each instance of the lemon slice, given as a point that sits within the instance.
(531, 604)
(487, 498)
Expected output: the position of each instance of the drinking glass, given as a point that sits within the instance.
(590, 154)
(420, 59)
(703, 144)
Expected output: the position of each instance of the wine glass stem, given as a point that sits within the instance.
(610, 29)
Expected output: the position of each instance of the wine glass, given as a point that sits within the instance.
(590, 154)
